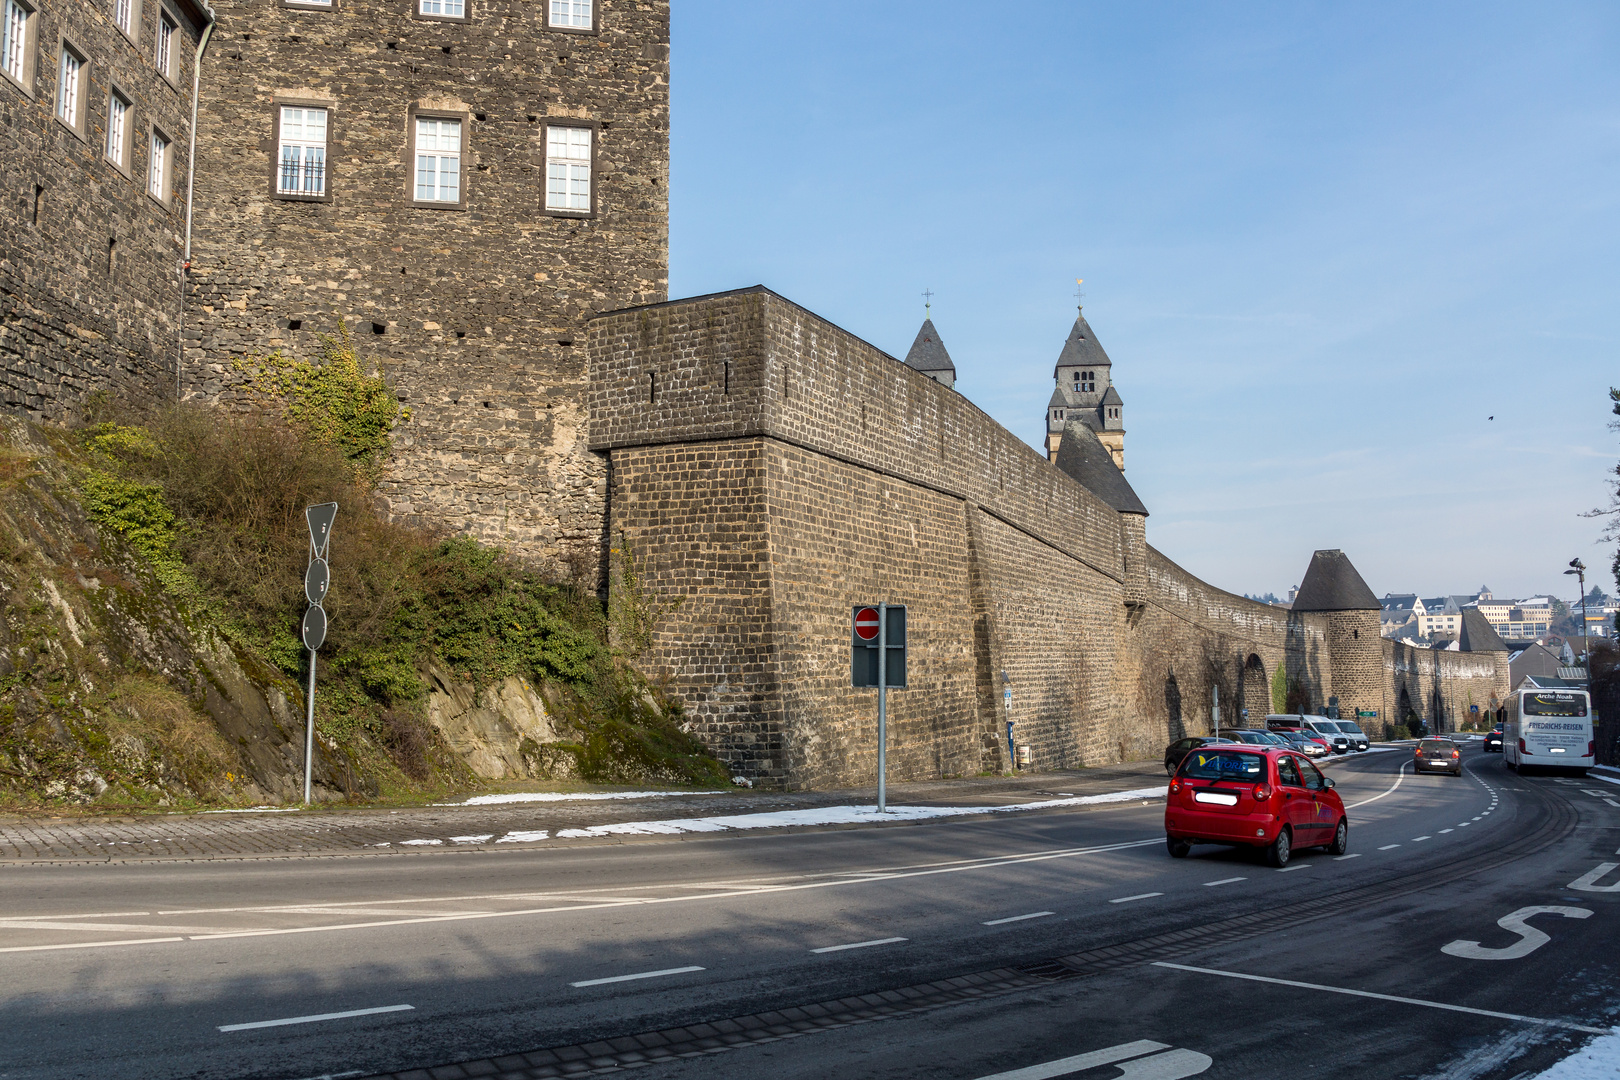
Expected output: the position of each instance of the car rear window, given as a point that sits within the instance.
(1224, 765)
(1437, 746)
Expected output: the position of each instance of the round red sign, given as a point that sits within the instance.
(866, 623)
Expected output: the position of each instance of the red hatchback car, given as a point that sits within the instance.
(1263, 797)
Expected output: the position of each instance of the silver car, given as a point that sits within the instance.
(1358, 738)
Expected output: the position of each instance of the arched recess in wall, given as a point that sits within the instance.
(1404, 711)
(1256, 693)
(1172, 708)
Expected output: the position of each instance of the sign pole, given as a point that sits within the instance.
(309, 728)
(883, 707)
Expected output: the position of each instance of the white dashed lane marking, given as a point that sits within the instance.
(1388, 847)
(1415, 839)
(1019, 918)
(1444, 831)
(1224, 881)
(1138, 896)
(1341, 858)
(1296, 866)
(859, 944)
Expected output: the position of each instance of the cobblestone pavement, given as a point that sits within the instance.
(363, 831)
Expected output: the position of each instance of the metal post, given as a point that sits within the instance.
(883, 708)
(309, 728)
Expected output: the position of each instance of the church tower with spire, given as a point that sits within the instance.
(928, 354)
(1085, 393)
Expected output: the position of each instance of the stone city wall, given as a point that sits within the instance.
(1439, 685)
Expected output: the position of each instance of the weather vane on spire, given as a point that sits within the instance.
(1079, 296)
(928, 302)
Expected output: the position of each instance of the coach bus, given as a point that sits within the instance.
(1548, 728)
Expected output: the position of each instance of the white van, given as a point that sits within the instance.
(1549, 728)
(1311, 724)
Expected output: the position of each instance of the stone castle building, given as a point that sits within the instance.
(460, 183)
(1085, 393)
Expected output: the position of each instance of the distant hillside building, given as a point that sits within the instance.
(1085, 393)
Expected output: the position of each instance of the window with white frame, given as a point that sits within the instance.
(124, 15)
(165, 44)
(70, 88)
(118, 129)
(568, 168)
(15, 32)
(438, 159)
(157, 169)
(444, 9)
(301, 157)
(571, 14)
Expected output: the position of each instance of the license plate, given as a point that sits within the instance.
(1556, 750)
(1439, 762)
(1219, 798)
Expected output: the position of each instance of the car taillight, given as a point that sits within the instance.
(1522, 750)
(1591, 748)
(1261, 793)
(1175, 785)
(1417, 751)
(1456, 753)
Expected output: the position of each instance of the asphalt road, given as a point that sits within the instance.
(174, 969)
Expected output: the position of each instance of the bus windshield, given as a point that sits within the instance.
(1553, 703)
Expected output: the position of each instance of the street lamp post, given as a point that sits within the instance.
(1578, 568)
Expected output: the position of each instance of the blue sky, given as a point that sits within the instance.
(1321, 243)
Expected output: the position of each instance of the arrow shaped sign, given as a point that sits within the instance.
(320, 518)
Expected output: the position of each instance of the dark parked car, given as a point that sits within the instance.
(1178, 750)
(1437, 755)
(1493, 742)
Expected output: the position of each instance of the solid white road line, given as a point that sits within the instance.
(1224, 881)
(1138, 896)
(89, 944)
(1020, 918)
(1080, 1062)
(859, 944)
(637, 975)
(317, 1018)
(1386, 997)
(1399, 776)
(1387, 847)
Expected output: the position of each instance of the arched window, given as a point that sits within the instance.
(1088, 382)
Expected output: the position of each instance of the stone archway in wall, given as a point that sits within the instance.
(1254, 693)
(1172, 708)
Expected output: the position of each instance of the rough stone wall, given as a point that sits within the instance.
(1439, 685)
(89, 261)
(771, 472)
(476, 312)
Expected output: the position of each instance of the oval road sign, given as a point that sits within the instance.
(866, 623)
(314, 628)
(316, 580)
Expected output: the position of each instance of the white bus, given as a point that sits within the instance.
(1551, 728)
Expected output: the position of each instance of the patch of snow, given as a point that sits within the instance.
(472, 839)
(742, 781)
(1598, 1060)
(523, 837)
(825, 815)
(257, 810)
(560, 796)
(1607, 779)
(425, 843)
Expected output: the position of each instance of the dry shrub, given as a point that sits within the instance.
(157, 735)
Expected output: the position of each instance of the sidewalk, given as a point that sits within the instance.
(327, 831)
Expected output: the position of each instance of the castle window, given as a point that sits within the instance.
(301, 152)
(124, 15)
(1088, 382)
(157, 168)
(568, 169)
(118, 129)
(17, 42)
(71, 86)
(438, 160)
(165, 45)
(444, 9)
(571, 15)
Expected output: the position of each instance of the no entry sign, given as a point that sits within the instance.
(866, 624)
(864, 652)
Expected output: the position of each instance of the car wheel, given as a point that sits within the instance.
(1169, 769)
(1280, 849)
(1178, 848)
(1341, 839)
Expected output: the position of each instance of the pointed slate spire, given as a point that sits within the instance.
(1333, 584)
(928, 356)
(1477, 633)
(1081, 349)
(1083, 456)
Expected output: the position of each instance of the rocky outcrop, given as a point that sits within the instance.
(490, 727)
